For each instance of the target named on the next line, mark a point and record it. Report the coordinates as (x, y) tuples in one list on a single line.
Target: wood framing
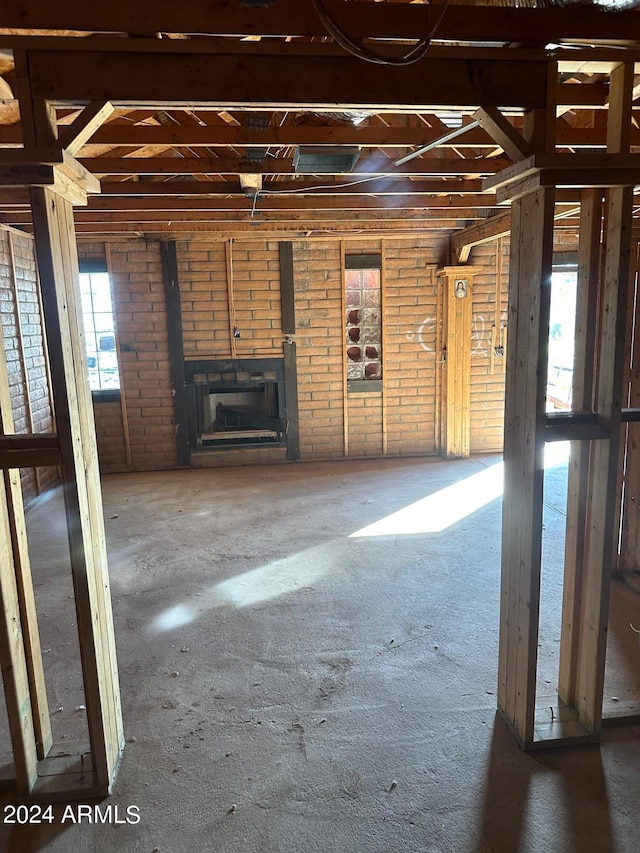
[(524, 436), (281, 81), (603, 469), (20, 651), (468, 23), (503, 133), (582, 399), (58, 265)]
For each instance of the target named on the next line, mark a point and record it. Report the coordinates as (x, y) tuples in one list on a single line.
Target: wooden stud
[(30, 725), (13, 660), (603, 470), (529, 294), (629, 478), (582, 399), (57, 260)]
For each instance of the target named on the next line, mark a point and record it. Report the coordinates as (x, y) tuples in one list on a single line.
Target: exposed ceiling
[(191, 114)]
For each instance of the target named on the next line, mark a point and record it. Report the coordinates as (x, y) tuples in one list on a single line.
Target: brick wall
[(24, 350), (403, 419), (317, 275), (139, 303), (410, 343)]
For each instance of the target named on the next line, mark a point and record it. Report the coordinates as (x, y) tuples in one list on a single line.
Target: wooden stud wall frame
[(41, 767), (591, 532)]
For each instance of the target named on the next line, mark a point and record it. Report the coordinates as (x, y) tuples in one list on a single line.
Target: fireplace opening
[(236, 404)]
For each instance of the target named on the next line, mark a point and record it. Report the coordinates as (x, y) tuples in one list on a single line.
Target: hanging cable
[(340, 37)]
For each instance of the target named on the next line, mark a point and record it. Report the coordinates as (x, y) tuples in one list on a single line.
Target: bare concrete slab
[(290, 686)]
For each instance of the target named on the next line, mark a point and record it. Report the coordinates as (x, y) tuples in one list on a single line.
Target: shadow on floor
[(551, 800)]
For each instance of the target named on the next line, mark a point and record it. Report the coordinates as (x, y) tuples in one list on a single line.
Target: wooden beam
[(234, 136), (484, 232), (503, 133), (26, 176), (374, 185), (176, 350), (373, 165), (85, 125), (278, 82), (360, 20)]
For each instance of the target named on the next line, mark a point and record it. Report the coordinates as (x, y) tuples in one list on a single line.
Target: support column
[(528, 330)]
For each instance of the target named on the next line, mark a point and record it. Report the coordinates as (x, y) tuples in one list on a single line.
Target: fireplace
[(236, 403)]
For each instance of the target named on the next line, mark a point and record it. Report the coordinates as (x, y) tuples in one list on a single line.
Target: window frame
[(363, 262)]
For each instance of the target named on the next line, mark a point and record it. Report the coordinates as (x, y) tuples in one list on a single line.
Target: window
[(363, 329), (99, 328), (562, 321)]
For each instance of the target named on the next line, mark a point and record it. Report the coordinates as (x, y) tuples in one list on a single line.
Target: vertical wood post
[(629, 478), (603, 471), (582, 400), (24, 584), (527, 356), (59, 277)]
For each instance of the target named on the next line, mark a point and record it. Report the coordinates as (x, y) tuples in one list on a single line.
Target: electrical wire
[(310, 189), (340, 37)]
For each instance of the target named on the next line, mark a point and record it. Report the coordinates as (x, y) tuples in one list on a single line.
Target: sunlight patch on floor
[(442, 509)]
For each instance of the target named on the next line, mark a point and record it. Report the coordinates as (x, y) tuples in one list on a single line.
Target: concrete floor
[(288, 688)]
